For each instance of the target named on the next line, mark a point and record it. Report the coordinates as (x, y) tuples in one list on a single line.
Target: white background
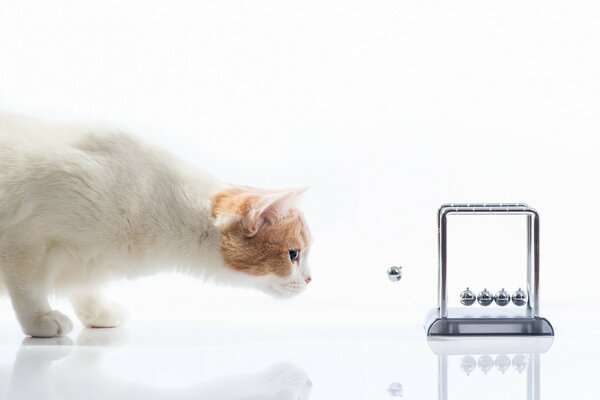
[(385, 108)]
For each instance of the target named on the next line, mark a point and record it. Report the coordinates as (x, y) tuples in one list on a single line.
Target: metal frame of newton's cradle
[(445, 321)]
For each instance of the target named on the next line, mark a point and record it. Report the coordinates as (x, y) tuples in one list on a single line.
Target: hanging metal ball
[(502, 298), (485, 298), (468, 364), (467, 297), (519, 362), (485, 363), (502, 363), (394, 274), (519, 298)]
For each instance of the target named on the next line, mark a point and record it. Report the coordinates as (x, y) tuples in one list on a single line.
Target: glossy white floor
[(228, 361)]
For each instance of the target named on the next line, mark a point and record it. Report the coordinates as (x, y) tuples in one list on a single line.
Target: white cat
[(81, 204)]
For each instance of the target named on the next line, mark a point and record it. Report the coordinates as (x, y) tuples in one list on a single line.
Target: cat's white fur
[(70, 221)]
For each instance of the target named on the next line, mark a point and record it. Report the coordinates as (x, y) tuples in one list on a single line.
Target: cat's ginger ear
[(270, 207)]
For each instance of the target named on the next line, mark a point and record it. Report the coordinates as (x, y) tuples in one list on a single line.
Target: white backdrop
[(385, 108)]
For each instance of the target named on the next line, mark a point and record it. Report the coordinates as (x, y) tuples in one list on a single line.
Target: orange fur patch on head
[(232, 201), (266, 250)]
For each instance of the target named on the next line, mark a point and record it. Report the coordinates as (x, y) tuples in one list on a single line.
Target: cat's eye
[(294, 254)]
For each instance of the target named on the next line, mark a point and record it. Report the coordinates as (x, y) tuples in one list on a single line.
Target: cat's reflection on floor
[(56, 368)]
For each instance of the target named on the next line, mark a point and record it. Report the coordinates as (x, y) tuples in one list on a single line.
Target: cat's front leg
[(33, 311), (94, 312)]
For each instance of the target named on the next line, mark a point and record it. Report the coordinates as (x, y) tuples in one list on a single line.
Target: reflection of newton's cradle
[(525, 352), (501, 362), (445, 321)]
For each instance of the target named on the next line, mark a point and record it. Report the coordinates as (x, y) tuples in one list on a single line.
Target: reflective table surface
[(252, 362)]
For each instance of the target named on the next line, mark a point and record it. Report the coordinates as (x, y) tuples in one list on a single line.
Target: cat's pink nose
[(307, 279)]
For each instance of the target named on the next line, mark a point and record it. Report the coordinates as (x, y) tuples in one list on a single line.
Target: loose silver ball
[(468, 364), (395, 389), (485, 298), (502, 363), (519, 298), (502, 298), (394, 274), (467, 297), (485, 363)]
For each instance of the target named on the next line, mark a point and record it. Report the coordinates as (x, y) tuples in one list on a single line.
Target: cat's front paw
[(48, 325), (107, 316)]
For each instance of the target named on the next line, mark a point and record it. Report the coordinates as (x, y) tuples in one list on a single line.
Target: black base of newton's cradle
[(486, 323)]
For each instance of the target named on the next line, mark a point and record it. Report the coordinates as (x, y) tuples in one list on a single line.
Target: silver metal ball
[(519, 298), (502, 298), (468, 364), (485, 298), (485, 363), (395, 389), (467, 297), (394, 274), (502, 363)]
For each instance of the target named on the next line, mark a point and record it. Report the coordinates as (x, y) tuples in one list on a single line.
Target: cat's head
[(264, 237)]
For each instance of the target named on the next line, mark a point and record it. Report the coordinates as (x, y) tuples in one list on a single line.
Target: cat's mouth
[(286, 290)]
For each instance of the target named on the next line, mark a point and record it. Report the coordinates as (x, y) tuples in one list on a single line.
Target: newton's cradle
[(498, 320)]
